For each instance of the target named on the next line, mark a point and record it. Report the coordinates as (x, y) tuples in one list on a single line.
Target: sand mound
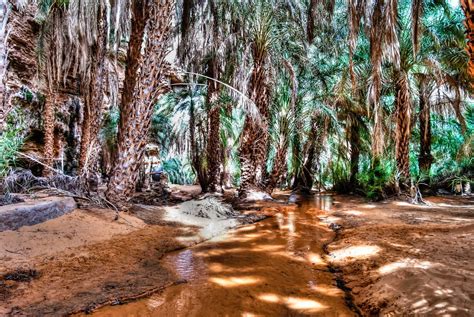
[(209, 208)]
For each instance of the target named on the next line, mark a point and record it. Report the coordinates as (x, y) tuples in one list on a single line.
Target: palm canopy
[(280, 93)]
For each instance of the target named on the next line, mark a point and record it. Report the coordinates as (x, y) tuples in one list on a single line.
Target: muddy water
[(272, 268)]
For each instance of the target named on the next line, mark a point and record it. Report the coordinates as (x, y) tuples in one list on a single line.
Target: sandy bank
[(81, 260)]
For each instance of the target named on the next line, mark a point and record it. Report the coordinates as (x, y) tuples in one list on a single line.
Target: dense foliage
[(370, 97)]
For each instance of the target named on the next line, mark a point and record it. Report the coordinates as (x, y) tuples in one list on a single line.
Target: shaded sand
[(85, 259), (401, 259)]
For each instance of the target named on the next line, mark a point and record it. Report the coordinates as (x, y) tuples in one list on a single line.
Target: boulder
[(32, 212)]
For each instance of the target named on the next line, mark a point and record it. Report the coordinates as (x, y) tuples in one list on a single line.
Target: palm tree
[(3, 63), (144, 83), (468, 8), (424, 116), (94, 95), (254, 140), (403, 126)]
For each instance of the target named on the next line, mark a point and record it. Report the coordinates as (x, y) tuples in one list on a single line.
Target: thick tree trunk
[(279, 165), (425, 158), (468, 8), (89, 155), (137, 104), (403, 129), (254, 142)]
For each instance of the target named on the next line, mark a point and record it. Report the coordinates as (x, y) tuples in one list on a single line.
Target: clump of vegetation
[(11, 141), (179, 172)]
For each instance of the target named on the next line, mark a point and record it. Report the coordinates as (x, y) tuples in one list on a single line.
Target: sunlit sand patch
[(444, 292), (267, 248), (304, 304), (353, 212), (247, 314), (247, 228), (326, 290), (235, 281), (403, 264), (271, 298), (218, 252), (369, 206), (295, 303), (356, 252), (153, 303), (315, 259)]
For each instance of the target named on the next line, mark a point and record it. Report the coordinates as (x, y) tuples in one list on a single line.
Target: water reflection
[(268, 268)]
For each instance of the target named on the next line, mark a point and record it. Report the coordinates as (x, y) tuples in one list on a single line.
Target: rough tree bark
[(48, 130), (254, 141), (468, 8), (279, 165), (214, 142), (403, 129), (305, 179), (3, 63), (146, 83), (94, 95), (425, 158), (354, 140)]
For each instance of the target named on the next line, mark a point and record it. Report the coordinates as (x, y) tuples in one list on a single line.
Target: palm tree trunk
[(280, 160), (403, 129), (425, 158), (355, 153), (214, 150), (254, 142), (48, 128), (214, 143), (305, 178), (468, 8), (89, 155), (279, 165), (311, 20), (138, 101), (196, 159), (3, 63)]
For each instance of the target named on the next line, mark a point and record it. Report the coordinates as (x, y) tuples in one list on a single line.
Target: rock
[(33, 212)]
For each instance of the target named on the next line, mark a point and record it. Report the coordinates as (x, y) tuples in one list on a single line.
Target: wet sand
[(272, 268)]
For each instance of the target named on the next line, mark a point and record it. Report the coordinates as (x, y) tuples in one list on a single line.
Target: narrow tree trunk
[(196, 159), (468, 8), (48, 128), (279, 165), (138, 103), (311, 20), (403, 129), (355, 153), (305, 178), (425, 159), (3, 64), (214, 150)]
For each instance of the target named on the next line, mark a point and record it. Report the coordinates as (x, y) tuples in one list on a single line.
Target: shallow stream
[(275, 267)]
